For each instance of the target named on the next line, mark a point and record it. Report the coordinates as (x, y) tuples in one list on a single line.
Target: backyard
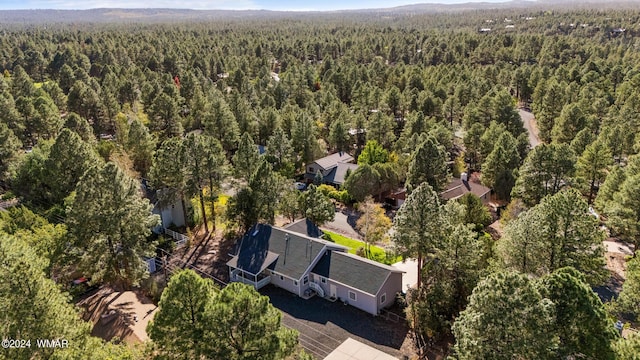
[(357, 247)]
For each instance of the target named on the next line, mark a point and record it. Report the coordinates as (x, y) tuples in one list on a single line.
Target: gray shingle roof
[(305, 227), (354, 271), (264, 247), (332, 160), (338, 173)]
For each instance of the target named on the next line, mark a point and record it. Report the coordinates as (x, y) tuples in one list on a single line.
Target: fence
[(180, 239)]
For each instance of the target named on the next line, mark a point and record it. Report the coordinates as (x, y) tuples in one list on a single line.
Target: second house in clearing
[(306, 266)]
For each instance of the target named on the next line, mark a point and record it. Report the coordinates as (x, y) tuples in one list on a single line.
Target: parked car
[(300, 186)]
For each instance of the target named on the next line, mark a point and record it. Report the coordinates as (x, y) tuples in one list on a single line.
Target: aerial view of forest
[(181, 184)]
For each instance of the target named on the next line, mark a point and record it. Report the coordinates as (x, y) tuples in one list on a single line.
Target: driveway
[(325, 325), (344, 223), (410, 277), (531, 126)]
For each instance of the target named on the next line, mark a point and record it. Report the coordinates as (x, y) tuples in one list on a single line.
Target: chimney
[(286, 248)]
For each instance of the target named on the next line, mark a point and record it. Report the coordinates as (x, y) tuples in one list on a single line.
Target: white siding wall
[(173, 214), (391, 287), (285, 283), (364, 301)]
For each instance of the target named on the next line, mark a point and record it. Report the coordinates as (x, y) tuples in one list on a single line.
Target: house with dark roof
[(333, 168), (308, 266), (305, 227), (459, 187)]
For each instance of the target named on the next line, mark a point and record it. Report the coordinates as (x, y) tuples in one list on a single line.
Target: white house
[(308, 266)]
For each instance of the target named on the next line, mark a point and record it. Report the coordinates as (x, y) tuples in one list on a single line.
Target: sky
[(293, 5)]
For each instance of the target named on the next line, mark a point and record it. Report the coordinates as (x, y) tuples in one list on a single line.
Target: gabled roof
[(305, 227), (457, 188), (285, 252), (333, 160), (338, 173), (354, 271)]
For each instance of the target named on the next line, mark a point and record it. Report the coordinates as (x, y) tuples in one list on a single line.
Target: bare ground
[(116, 314)]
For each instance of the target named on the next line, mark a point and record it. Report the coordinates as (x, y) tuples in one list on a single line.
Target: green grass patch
[(377, 253), (221, 208)]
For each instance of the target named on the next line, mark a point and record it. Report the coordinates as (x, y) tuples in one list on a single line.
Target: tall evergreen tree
[(580, 322), (545, 171), (556, 233), (109, 223), (140, 146), (9, 151), (182, 320), (592, 166), (498, 168), (221, 123), (506, 318), (316, 207), (339, 137), (69, 159), (418, 225), (428, 165), (246, 159), (168, 175)]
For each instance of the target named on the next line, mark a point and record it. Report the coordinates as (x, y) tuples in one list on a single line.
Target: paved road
[(531, 126)]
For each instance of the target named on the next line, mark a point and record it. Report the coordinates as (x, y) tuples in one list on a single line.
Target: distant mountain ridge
[(152, 15)]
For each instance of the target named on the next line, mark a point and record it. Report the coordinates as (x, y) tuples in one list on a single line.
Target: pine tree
[(175, 335), (9, 151), (428, 165), (69, 159), (545, 171), (339, 137), (246, 158), (498, 168), (315, 206), (580, 321), (418, 225), (109, 223), (592, 166), (556, 233), (506, 318)]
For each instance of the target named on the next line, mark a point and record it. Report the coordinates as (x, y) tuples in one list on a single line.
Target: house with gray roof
[(308, 266), (459, 187), (333, 168)]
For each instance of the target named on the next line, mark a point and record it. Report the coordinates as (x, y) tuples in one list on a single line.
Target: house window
[(295, 282), (323, 280), (305, 280), (311, 169), (352, 296), (281, 278), (383, 298)]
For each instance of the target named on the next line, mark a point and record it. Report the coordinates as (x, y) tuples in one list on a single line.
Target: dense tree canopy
[(413, 96)]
